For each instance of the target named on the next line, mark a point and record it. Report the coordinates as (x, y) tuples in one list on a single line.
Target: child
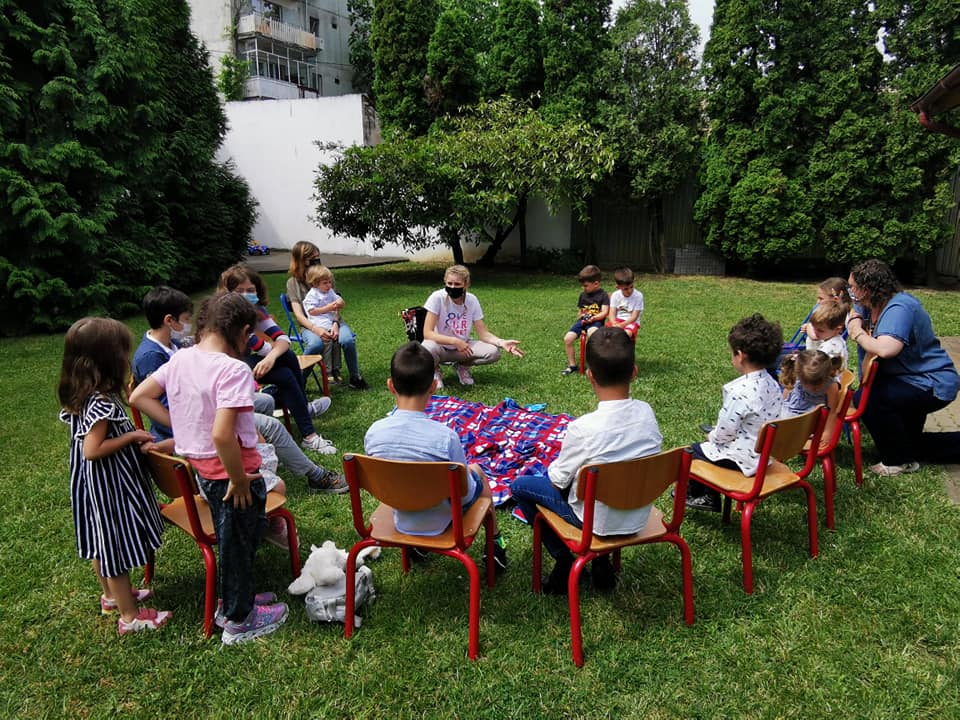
[(619, 429), (593, 305), (825, 330), (323, 305), (211, 405), (626, 303), (408, 434), (809, 378), (115, 513), (748, 402)]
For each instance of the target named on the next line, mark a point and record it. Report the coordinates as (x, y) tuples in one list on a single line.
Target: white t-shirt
[(624, 306), (834, 347), (452, 319), (317, 299)]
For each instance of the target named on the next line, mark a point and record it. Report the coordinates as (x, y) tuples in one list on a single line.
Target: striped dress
[(115, 514)]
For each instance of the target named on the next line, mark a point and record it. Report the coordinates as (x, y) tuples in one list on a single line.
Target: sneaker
[(499, 560), (463, 374), (319, 406), (264, 598), (604, 577), (570, 369), (706, 428), (262, 620), (328, 482), (146, 619), (708, 501), (891, 470), (318, 444), (358, 383), (334, 379), (556, 582), (438, 376), (417, 555), (109, 605)]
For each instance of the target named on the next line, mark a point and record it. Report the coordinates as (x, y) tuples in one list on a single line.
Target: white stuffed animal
[(323, 581), (325, 567)]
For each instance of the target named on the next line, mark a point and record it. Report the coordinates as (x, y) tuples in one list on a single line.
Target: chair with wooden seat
[(623, 485), (413, 486), (868, 374), (779, 440), (190, 512), (826, 455)]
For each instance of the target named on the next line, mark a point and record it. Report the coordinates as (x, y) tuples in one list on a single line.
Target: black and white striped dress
[(115, 514)]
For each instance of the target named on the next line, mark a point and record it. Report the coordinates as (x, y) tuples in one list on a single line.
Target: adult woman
[(915, 376), (315, 338), (272, 361), (451, 312)]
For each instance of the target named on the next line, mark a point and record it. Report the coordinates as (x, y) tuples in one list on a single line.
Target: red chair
[(868, 374), (779, 440), (827, 454), (412, 486), (623, 485), (189, 511)]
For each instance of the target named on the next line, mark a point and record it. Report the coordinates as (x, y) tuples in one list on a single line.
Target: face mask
[(250, 297), (178, 336), (455, 292)]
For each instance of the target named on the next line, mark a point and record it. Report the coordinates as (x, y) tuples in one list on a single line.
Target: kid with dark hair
[(619, 429), (626, 303), (593, 306), (748, 402)]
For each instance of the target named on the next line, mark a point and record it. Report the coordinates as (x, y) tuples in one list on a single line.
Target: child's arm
[(833, 401), (604, 311), (96, 444), (728, 422), (167, 447), (228, 450), (146, 398)]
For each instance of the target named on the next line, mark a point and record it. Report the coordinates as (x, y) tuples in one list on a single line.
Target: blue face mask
[(251, 297)]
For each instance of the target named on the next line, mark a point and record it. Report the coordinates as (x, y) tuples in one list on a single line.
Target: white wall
[(210, 21)]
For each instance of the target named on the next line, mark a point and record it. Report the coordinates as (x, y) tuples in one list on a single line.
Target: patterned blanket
[(506, 441)]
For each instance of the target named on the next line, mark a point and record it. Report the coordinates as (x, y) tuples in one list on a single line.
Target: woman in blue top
[(914, 378)]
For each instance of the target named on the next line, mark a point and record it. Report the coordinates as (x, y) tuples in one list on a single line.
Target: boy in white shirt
[(626, 303)]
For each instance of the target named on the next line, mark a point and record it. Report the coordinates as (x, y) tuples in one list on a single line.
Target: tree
[(400, 33), (452, 78), (361, 53), (109, 121), (515, 65)]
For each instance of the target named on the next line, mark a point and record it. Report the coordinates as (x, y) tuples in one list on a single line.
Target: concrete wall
[(272, 146), (210, 21)]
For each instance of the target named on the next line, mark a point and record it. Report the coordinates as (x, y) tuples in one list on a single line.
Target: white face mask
[(178, 336)]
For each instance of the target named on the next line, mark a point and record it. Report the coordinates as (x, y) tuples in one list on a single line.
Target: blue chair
[(307, 362)]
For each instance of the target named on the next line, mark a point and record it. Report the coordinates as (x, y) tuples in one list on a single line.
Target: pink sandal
[(146, 619), (109, 605)]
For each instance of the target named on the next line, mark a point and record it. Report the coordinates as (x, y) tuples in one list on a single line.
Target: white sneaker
[(318, 444), (891, 470), (438, 376), (463, 373), (319, 406)]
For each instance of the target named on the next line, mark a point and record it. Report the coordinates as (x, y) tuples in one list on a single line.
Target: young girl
[(210, 394), (833, 290), (809, 378), (115, 513)]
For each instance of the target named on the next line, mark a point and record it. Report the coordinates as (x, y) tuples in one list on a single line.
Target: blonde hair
[(830, 314), (460, 271), (810, 367), (316, 273)]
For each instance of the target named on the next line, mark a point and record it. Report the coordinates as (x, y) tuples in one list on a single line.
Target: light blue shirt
[(411, 435)]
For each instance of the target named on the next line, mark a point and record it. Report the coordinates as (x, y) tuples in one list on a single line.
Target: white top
[(834, 347), (624, 306), (748, 402), (316, 299), (616, 430), (452, 319)]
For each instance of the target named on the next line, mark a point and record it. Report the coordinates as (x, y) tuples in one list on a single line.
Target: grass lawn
[(870, 628)]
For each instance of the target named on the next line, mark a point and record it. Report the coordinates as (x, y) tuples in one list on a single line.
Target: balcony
[(290, 34)]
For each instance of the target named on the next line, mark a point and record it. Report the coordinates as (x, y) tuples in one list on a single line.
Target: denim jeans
[(528, 491), (286, 375), (238, 534), (313, 345)]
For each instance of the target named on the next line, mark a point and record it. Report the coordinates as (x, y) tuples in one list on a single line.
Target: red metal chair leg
[(857, 451), (747, 550), (811, 517), (210, 588), (573, 593), (828, 464), (474, 641), (583, 352), (686, 566)]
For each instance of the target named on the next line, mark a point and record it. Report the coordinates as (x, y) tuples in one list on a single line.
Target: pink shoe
[(463, 374), (264, 598), (109, 605), (146, 619)]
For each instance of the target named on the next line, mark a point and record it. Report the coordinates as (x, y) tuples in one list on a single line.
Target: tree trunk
[(456, 249), (503, 232)]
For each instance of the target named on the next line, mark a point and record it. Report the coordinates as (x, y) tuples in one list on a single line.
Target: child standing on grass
[(626, 303), (115, 513), (748, 402), (210, 391), (593, 306)]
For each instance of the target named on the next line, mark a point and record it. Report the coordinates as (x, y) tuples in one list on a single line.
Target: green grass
[(867, 629)]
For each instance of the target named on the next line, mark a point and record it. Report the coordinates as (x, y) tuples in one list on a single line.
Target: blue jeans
[(528, 491), (238, 535), (286, 375), (313, 344)]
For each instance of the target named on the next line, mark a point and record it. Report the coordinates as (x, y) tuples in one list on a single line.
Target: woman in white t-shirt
[(452, 313)]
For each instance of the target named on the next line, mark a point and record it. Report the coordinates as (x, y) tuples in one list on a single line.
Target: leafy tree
[(232, 77), (361, 53), (400, 33), (108, 124), (452, 78), (515, 65), (574, 42)]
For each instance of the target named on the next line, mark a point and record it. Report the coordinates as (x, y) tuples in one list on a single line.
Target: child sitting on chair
[(626, 303), (619, 429), (323, 305), (809, 378), (748, 402), (593, 306), (825, 331), (408, 434)]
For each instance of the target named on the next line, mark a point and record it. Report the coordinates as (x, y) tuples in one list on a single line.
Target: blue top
[(922, 362), (410, 435), (149, 356), (800, 400)]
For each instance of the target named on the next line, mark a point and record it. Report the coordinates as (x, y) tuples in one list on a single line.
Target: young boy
[(323, 305), (593, 305), (825, 331), (408, 434), (619, 429), (748, 402), (626, 303), (169, 312)]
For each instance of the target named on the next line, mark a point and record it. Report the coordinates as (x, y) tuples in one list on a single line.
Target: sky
[(701, 12)]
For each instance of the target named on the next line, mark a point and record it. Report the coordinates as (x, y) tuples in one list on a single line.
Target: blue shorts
[(579, 326), (478, 483)]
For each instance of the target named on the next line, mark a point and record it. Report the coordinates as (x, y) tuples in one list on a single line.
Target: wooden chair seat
[(654, 529), (382, 528), (733, 482), (176, 513)]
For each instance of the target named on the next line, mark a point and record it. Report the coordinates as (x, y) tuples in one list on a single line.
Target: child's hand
[(263, 367), (239, 492), (138, 436)]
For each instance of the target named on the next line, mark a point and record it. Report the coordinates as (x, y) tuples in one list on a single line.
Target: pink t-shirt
[(197, 384)]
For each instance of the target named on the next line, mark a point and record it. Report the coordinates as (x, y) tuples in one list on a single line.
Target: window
[(314, 26), (333, 21)]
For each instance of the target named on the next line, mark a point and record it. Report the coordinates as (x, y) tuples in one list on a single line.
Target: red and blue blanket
[(507, 440)]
